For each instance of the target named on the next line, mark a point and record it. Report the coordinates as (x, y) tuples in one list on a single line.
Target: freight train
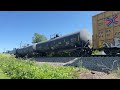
[(74, 44), (106, 37)]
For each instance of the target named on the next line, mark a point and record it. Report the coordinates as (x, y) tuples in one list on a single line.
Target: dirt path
[(98, 75), (51, 63)]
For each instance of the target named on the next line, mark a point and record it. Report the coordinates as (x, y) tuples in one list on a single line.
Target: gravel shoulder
[(51, 63)]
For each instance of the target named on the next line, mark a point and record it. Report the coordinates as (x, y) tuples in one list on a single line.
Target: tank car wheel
[(71, 54), (89, 52), (114, 52), (110, 52), (75, 53), (107, 52), (79, 53)]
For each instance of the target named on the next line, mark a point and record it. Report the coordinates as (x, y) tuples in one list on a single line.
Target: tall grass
[(6, 56), (3, 75)]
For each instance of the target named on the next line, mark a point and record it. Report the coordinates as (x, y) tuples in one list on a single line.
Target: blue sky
[(17, 26)]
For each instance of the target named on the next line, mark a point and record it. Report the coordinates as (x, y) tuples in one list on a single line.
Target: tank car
[(28, 51), (75, 43), (12, 52)]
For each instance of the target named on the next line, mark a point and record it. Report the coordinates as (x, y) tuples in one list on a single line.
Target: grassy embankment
[(13, 68)]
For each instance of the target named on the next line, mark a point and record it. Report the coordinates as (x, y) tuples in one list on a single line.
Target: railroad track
[(83, 56), (94, 62), (67, 59), (104, 56)]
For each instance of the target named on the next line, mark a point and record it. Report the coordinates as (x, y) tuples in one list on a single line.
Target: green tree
[(38, 38)]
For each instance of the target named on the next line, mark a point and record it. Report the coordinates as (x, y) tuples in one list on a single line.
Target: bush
[(6, 56), (26, 69), (3, 75)]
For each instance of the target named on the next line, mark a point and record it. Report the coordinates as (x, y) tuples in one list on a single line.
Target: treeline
[(38, 38)]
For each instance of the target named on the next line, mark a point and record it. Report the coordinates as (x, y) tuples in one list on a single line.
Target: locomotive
[(75, 44)]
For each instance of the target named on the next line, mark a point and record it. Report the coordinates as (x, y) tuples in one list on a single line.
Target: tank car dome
[(85, 35)]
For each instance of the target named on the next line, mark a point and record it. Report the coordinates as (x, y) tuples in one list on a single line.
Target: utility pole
[(4, 50), (20, 44)]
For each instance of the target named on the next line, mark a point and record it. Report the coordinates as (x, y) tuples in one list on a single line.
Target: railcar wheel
[(75, 53), (88, 52), (71, 54), (107, 52), (110, 52)]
